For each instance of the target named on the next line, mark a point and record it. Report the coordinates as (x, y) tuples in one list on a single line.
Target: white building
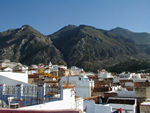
[(104, 74), (91, 107), (62, 66), (7, 69), (132, 76), (145, 107), (88, 74), (128, 76), (127, 105), (48, 70), (8, 63), (75, 70), (82, 84), (123, 92), (33, 67), (32, 72), (21, 68)]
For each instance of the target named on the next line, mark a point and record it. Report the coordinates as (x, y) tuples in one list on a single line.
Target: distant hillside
[(28, 46), (83, 46), (92, 48), (141, 39), (131, 66)]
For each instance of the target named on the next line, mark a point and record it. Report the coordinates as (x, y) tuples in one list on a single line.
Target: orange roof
[(68, 86)]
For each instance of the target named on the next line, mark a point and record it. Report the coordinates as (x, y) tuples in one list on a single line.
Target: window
[(79, 78)]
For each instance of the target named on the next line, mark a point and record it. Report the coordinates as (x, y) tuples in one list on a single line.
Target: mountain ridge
[(24, 43), (89, 45), (83, 46)]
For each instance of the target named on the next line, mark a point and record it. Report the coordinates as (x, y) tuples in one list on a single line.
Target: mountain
[(84, 46), (141, 39), (28, 46), (133, 65), (92, 48)]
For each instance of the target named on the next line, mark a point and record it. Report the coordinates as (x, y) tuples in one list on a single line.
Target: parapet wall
[(23, 77), (37, 111)]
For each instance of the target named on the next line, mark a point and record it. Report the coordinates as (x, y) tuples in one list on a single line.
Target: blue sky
[(48, 16)]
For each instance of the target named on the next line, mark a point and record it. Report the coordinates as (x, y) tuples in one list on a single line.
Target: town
[(57, 87)]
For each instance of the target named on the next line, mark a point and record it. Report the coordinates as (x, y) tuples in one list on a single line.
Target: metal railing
[(29, 95)]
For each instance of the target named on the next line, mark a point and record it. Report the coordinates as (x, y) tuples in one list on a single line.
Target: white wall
[(99, 108), (79, 103), (131, 84), (32, 71), (91, 107), (126, 93), (8, 69), (9, 64), (104, 75), (115, 79), (83, 86), (23, 77), (125, 107), (68, 102), (83, 91)]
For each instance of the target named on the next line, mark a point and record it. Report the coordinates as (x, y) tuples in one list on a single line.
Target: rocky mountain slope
[(28, 46), (141, 39), (92, 48), (83, 46)]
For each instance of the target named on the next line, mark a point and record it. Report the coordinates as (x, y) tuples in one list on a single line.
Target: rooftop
[(130, 101), (145, 103)]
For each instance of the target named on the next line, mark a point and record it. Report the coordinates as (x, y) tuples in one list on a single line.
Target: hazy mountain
[(28, 46), (141, 39)]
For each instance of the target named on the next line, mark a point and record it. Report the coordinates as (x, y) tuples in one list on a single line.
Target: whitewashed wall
[(83, 89), (83, 86), (23, 77), (91, 107), (126, 93), (68, 102), (99, 108), (125, 108), (32, 71)]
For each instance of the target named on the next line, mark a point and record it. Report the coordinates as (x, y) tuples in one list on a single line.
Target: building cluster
[(57, 87)]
